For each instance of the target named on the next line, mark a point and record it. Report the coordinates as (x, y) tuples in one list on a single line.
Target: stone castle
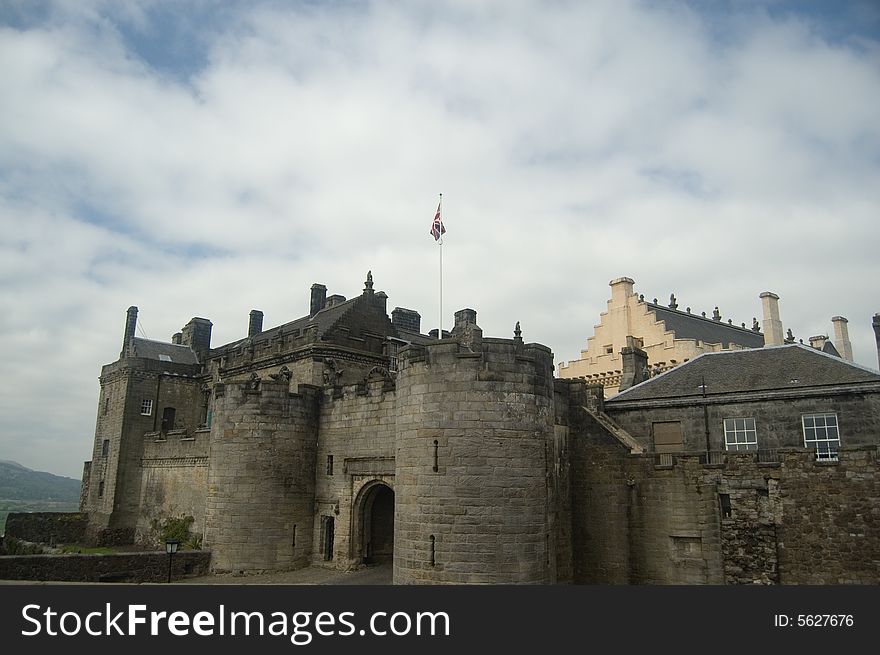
[(348, 437)]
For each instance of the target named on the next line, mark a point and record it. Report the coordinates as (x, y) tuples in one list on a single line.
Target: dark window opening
[(436, 463), (329, 529), (101, 489), (329, 464), (106, 405), (168, 415), (433, 551), (726, 510), (105, 448), (293, 541)]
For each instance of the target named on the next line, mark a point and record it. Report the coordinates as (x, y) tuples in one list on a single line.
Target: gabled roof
[(786, 367), (163, 352), (324, 320), (691, 326)]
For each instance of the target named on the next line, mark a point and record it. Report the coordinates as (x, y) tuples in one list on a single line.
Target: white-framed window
[(740, 434), (393, 348), (821, 432), (146, 407)]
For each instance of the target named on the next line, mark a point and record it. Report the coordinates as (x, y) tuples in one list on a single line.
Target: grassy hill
[(25, 490)]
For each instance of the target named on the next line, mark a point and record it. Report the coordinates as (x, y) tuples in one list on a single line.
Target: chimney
[(255, 322), (197, 335), (463, 318), (635, 365), (333, 300), (131, 318), (876, 324), (818, 342), (773, 335), (177, 338), (407, 320), (318, 298), (841, 337), (621, 289)]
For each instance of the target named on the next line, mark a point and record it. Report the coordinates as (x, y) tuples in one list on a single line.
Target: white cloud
[(573, 142)]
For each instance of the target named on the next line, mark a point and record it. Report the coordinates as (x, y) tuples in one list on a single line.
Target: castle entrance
[(376, 529)]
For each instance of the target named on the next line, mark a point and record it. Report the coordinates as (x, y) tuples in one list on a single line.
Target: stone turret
[(479, 459)]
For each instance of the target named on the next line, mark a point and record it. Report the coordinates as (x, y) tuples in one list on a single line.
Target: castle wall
[(482, 510), (740, 521), (261, 476), (831, 526), (357, 429), (173, 483), (778, 420)]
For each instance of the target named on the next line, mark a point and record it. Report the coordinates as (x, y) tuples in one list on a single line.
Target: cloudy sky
[(204, 159)]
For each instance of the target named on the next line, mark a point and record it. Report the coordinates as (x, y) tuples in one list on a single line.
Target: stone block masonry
[(474, 431), (261, 476)]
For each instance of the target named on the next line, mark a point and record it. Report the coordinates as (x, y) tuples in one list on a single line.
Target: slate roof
[(691, 326), (786, 367), (164, 352), (324, 319)]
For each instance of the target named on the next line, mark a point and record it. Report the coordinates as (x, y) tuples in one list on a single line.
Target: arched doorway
[(377, 524)]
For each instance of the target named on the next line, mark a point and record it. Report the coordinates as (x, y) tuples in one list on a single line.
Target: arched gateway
[(374, 531)]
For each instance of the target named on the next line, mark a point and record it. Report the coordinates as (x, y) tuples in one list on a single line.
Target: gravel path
[(370, 575)]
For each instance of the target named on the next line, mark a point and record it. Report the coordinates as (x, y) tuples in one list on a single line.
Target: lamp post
[(171, 548)]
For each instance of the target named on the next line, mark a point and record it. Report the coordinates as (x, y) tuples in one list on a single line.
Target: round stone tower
[(261, 476), (474, 426)]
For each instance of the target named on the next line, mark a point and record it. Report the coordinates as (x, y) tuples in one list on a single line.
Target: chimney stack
[(197, 335), (406, 319), (463, 318), (773, 335), (255, 322), (635, 365), (841, 337), (621, 289), (131, 318), (876, 324), (818, 341), (318, 298)]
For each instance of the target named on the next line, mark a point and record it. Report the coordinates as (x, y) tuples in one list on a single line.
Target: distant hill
[(18, 482)]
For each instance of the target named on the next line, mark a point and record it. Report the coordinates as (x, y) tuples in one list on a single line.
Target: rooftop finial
[(672, 303), (716, 315), (789, 337), (517, 333), (368, 285)]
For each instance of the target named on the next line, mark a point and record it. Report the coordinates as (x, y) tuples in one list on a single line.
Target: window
[(667, 437), (392, 356), (609, 350), (329, 464), (740, 434), (101, 489), (168, 416), (146, 407), (821, 433), (106, 405), (105, 448)]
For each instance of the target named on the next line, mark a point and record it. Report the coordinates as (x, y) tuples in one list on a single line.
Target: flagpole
[(439, 211)]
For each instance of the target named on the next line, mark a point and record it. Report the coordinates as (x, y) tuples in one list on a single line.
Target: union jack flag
[(437, 229)]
